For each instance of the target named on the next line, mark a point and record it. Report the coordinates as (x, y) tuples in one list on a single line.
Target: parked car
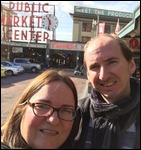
[(8, 63), (10, 70), (27, 64), (3, 71)]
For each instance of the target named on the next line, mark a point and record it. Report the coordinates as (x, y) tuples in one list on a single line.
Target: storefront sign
[(67, 46), (133, 43), (78, 9), (17, 49), (24, 44)]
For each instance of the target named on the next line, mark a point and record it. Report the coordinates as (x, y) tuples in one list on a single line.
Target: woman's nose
[(53, 118)]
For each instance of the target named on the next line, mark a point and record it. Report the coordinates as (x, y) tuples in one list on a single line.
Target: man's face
[(107, 69)]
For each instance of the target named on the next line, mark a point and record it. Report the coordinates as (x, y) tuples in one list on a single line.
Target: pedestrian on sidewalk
[(111, 113), (45, 115)]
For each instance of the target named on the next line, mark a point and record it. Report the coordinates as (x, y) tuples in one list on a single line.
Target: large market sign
[(78, 9), (25, 22)]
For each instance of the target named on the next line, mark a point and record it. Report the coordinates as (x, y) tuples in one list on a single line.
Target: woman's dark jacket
[(4, 146)]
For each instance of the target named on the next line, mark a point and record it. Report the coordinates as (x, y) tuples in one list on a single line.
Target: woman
[(43, 118)]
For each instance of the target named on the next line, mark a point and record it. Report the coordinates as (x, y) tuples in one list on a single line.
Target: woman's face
[(48, 132)]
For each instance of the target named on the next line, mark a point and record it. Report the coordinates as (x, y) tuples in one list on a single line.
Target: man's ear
[(132, 66), (88, 77)]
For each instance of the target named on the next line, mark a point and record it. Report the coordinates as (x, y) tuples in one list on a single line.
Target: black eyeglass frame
[(54, 109)]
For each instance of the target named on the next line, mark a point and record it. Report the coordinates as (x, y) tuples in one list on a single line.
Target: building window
[(87, 27), (107, 28), (113, 28), (85, 38)]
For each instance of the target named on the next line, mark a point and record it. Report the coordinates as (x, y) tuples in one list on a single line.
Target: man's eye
[(112, 62), (94, 67)]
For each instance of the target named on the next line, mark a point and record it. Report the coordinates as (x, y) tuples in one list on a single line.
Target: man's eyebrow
[(93, 65), (111, 58)]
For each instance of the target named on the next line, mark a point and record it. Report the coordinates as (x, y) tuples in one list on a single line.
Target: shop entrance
[(62, 59), (34, 54)]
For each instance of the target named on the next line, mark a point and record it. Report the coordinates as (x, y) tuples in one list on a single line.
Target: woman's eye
[(67, 110), (41, 106)]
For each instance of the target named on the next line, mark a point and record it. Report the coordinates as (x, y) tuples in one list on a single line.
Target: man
[(111, 113)]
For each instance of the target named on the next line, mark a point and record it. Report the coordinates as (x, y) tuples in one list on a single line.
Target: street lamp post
[(54, 31), (95, 26), (32, 27), (47, 61), (9, 50)]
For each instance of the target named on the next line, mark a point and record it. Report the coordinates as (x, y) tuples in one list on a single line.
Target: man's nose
[(103, 73)]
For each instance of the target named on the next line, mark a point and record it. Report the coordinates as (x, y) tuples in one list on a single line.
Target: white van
[(27, 64)]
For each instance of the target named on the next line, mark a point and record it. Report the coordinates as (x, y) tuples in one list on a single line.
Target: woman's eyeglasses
[(44, 110)]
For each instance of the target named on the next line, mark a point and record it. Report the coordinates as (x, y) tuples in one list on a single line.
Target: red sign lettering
[(26, 7)]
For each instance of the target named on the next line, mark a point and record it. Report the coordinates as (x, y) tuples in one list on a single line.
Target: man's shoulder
[(135, 81)]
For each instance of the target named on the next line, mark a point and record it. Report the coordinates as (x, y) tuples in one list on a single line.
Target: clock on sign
[(49, 22)]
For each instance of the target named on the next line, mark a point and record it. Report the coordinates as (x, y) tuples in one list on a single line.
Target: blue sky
[(63, 8)]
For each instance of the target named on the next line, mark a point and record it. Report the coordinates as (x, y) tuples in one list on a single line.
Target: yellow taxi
[(3, 71)]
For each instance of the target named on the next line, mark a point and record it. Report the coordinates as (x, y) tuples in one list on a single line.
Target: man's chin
[(108, 98)]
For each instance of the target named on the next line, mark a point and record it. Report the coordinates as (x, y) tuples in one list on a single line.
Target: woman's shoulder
[(84, 103), (4, 146)]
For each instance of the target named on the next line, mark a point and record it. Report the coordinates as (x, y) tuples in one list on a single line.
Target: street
[(13, 86)]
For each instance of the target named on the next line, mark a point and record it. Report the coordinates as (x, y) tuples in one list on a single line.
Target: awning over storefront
[(132, 29)]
